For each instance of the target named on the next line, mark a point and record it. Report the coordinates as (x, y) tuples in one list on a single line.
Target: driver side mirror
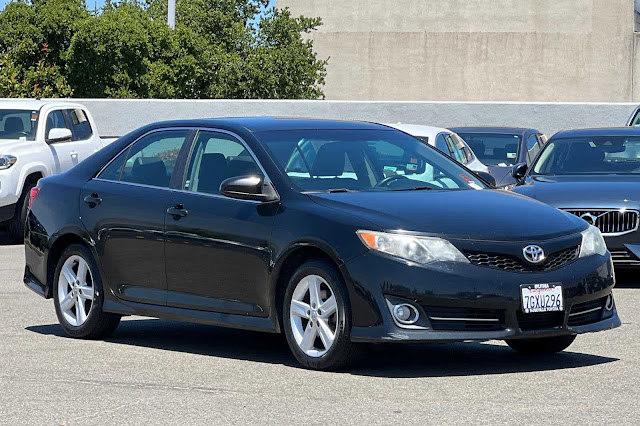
[(519, 171), (248, 188), (488, 178), (58, 134)]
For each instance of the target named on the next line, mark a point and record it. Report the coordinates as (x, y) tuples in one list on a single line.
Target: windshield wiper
[(336, 190), (416, 188)]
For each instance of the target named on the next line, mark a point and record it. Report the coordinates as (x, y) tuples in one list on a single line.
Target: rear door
[(83, 142), (124, 210)]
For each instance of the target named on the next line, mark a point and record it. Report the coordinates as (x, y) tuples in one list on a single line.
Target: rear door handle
[(178, 211), (93, 200)]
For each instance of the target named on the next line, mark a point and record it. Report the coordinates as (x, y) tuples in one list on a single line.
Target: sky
[(98, 3)]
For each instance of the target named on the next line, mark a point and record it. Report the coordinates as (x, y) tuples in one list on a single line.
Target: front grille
[(465, 319), (513, 263), (624, 258), (539, 320), (610, 222), (587, 312)]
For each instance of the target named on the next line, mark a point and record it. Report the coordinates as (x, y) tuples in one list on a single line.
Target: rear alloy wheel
[(541, 346), (317, 317), (78, 296)]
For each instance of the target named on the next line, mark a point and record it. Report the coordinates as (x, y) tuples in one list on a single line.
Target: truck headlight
[(416, 249), (7, 161), (592, 242)]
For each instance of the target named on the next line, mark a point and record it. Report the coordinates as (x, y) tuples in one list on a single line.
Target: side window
[(152, 159), (532, 148), (55, 120), (635, 122), (441, 144), (114, 169), (215, 158), (80, 127)]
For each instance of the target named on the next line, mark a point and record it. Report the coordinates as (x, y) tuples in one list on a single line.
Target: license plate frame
[(540, 298)]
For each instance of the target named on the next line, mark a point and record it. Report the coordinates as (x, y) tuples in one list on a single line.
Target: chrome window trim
[(197, 131)]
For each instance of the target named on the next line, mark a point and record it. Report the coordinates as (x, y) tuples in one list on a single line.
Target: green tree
[(216, 51)]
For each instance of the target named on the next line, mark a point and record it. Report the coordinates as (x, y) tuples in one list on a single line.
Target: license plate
[(542, 298)]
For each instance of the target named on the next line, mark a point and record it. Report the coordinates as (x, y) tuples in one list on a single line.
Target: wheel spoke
[(328, 308), (325, 333), (300, 309), (68, 302), (81, 315), (314, 292), (82, 272), (68, 274), (86, 292), (308, 338)]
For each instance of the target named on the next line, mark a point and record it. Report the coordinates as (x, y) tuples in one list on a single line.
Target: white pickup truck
[(39, 138)]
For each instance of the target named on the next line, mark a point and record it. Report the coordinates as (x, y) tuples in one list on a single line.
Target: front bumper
[(464, 291)]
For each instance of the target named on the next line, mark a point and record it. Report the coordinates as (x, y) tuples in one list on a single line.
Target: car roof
[(418, 129), (262, 124), (34, 104), (601, 131), (491, 129)]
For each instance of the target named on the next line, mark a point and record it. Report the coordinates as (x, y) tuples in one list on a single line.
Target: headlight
[(7, 161), (416, 249), (592, 242)]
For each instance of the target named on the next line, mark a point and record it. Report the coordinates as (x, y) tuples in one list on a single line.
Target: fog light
[(609, 303), (405, 314)]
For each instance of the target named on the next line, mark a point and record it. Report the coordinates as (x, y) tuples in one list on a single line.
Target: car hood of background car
[(587, 191), (463, 214)]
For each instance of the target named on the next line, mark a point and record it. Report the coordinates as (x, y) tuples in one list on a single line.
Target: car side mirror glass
[(249, 187), (488, 178), (58, 134), (519, 171)]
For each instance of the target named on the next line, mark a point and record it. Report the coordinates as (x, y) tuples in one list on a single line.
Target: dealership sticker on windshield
[(542, 298)]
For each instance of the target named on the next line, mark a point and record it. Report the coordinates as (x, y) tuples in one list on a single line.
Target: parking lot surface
[(156, 371)]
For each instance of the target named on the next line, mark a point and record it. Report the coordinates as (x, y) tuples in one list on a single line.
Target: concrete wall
[(533, 50), (117, 117)]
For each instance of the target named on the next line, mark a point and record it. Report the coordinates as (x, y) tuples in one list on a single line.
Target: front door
[(64, 153), (217, 248), (124, 209)]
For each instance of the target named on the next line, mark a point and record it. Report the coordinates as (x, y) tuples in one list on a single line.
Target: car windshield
[(363, 160), (590, 155), (18, 123), (494, 149)]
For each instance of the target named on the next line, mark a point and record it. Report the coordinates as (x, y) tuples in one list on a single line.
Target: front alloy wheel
[(317, 316), (313, 314)]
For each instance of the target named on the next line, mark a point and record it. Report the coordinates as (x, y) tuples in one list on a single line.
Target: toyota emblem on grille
[(533, 254), (589, 218)]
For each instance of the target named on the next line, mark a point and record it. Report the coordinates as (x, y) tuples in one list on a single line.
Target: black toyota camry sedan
[(593, 174), (330, 232)]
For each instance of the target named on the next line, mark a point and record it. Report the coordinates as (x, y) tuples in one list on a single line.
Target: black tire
[(541, 346), (16, 224), (99, 324), (342, 351)]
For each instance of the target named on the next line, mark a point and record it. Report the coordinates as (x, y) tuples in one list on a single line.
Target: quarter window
[(215, 158)]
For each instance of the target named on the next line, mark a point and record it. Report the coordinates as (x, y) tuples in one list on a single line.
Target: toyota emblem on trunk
[(533, 254)]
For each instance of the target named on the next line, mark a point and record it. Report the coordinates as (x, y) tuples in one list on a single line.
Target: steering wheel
[(386, 181)]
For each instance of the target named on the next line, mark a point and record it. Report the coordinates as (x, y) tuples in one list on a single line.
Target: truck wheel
[(16, 225)]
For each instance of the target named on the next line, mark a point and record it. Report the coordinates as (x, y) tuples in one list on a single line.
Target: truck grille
[(610, 222), (513, 263)]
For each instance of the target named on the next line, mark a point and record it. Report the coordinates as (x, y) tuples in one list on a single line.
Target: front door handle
[(74, 154), (92, 200), (178, 211)]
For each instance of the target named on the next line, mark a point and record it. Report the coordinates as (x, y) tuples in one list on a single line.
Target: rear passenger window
[(150, 161), (80, 127), (215, 158)]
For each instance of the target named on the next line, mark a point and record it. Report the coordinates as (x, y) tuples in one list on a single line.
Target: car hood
[(463, 214), (590, 191)]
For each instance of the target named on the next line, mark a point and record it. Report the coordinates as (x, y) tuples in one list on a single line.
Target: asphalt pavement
[(154, 371)]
